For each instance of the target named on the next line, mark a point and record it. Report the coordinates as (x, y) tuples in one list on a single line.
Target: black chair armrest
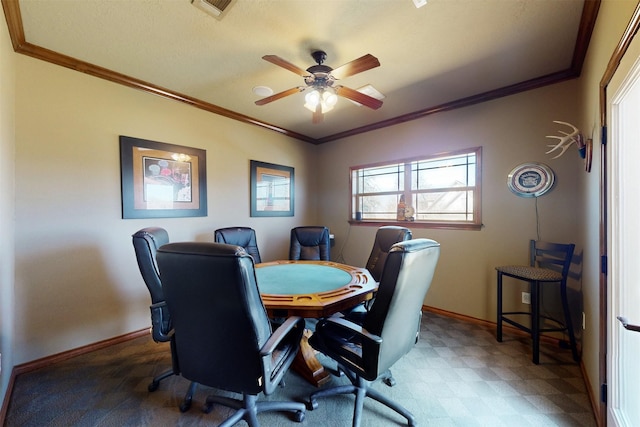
[(348, 326), (160, 328), (281, 333), (278, 352)]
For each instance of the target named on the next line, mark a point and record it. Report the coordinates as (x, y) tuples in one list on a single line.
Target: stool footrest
[(516, 324), (561, 326)]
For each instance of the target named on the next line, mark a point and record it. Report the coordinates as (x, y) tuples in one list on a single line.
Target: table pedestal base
[(307, 365)]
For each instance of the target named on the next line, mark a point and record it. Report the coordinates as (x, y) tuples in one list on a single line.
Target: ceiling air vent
[(212, 7)]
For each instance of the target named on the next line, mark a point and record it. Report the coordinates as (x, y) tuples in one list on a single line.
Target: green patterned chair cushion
[(531, 273)]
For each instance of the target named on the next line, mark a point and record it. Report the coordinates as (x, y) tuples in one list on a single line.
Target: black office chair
[(310, 244), (223, 336), (366, 352), (240, 236), (549, 263), (146, 243), (386, 237)]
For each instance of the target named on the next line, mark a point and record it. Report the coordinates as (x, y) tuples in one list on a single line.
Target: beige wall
[(511, 131), (7, 152), (76, 276)]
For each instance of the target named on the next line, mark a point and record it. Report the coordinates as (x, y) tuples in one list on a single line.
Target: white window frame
[(473, 187)]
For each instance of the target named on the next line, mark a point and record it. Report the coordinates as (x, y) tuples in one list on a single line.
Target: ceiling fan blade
[(274, 59), (358, 97), (318, 117), (279, 95), (356, 66)]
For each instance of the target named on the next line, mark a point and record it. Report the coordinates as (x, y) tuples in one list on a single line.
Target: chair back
[(386, 237), (310, 243), (240, 236), (397, 310), (552, 256), (146, 243), (219, 319)]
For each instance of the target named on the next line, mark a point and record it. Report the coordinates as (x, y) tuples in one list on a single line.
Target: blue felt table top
[(294, 279)]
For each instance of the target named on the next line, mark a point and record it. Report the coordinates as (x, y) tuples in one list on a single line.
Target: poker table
[(311, 289)]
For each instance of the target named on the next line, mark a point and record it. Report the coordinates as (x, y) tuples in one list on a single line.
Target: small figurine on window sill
[(401, 209), (408, 213)]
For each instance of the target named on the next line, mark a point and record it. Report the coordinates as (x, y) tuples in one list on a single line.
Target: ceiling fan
[(321, 80)]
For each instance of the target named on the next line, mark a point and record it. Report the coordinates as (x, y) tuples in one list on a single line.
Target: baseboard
[(593, 398), (7, 397), (59, 357), (458, 316)]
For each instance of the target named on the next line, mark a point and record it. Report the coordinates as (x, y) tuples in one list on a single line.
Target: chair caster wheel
[(185, 405), (313, 404), (298, 416), (207, 408), (389, 381), (153, 386)]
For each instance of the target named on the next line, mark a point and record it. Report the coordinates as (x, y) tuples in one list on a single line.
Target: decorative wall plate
[(530, 179)]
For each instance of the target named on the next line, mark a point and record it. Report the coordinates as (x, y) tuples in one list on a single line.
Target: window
[(440, 191)]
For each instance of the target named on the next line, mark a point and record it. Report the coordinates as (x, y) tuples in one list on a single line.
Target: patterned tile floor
[(457, 375)]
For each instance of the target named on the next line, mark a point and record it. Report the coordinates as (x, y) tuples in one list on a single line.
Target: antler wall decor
[(566, 140), (569, 138)]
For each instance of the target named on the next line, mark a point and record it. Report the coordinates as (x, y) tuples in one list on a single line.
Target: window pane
[(382, 179), (448, 206), (446, 173), (379, 207)]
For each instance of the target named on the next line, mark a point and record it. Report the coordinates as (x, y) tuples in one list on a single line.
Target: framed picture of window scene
[(271, 189), (162, 180)]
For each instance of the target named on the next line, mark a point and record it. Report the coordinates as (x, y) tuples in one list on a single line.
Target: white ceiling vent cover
[(212, 7)]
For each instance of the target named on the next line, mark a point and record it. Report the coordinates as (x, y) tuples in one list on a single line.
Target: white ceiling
[(444, 51)]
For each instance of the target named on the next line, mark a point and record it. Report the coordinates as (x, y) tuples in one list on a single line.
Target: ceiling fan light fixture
[(312, 98), (329, 98), (325, 97)]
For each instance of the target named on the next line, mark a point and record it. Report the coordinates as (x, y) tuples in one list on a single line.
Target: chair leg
[(568, 322), (344, 389), (297, 408), (240, 414), (155, 383), (535, 320), (374, 394), (251, 411), (499, 309), (387, 378), (361, 389), (249, 408), (188, 398), (361, 394), (245, 409)]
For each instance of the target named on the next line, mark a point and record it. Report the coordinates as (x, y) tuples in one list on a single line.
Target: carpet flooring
[(457, 375)]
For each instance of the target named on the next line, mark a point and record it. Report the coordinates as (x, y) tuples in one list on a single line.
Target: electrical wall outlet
[(526, 298)]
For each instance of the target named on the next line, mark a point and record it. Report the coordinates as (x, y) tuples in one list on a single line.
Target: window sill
[(418, 224)]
